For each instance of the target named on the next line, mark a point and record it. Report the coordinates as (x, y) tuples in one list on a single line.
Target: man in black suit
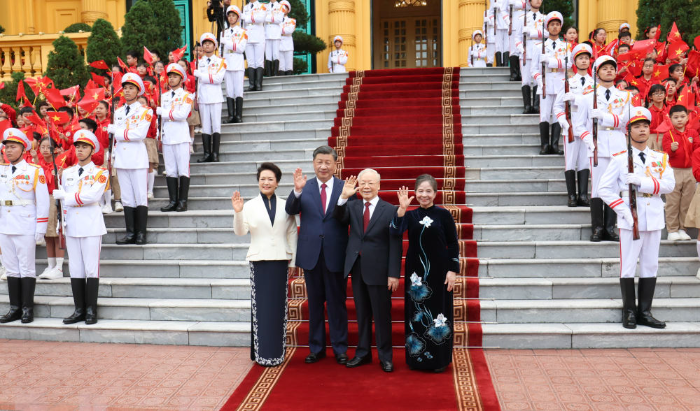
[(321, 252), (373, 256)]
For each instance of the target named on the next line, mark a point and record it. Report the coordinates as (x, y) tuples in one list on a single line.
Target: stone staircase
[(542, 283)]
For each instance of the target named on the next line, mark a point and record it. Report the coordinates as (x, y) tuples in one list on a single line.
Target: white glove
[(539, 83), (534, 33), (564, 124), (569, 96), (597, 113), (633, 179), (626, 215), (59, 194), (588, 140), (111, 128), (38, 237), (544, 58), (159, 111), (521, 49)]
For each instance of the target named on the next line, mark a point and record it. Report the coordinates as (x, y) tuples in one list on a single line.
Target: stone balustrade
[(29, 53)]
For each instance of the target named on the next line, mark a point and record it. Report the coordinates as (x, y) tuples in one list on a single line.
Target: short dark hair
[(36, 136), (26, 110), (426, 177), (623, 45), (90, 123), (142, 64), (670, 79), (673, 68), (655, 88), (43, 104), (677, 109), (325, 150), (272, 167), (66, 109), (150, 79), (649, 59), (624, 34), (133, 54), (105, 103), (631, 88)]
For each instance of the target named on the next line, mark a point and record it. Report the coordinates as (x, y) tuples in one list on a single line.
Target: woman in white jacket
[(273, 244), (338, 58)]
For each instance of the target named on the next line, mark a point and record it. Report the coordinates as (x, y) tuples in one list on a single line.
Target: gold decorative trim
[(449, 184), (359, 73), (468, 398), (449, 197), (456, 214), (357, 81), (349, 112), (346, 121), (263, 387)]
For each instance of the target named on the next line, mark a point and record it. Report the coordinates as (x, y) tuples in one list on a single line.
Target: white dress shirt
[(329, 191), (372, 204)]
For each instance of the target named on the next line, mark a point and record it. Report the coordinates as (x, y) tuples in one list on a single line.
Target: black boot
[(583, 188), (646, 295), (129, 216), (172, 194), (268, 68), (610, 218), (554, 138), (258, 79), (570, 176), (78, 287), (520, 77), (206, 144), (251, 79), (141, 225), (629, 310), (290, 72), (28, 286), (544, 138), (497, 58), (514, 65), (91, 289), (231, 108), (14, 289), (275, 68), (215, 147), (535, 101), (239, 109), (527, 99), (184, 193), (506, 59), (597, 221)]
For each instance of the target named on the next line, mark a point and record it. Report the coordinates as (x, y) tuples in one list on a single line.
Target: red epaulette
[(621, 152)]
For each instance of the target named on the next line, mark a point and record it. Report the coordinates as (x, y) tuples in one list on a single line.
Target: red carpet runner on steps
[(402, 123)]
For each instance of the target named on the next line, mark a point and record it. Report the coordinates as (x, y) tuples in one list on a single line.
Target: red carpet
[(402, 123)]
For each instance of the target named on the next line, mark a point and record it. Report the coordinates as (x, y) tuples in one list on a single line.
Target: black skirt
[(268, 281)]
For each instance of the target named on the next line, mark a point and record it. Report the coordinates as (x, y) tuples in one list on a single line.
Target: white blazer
[(267, 242)]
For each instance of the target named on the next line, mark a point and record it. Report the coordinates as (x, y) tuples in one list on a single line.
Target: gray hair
[(326, 150), (426, 177), (368, 170)]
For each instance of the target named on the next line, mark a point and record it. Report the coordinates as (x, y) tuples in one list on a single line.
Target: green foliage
[(300, 66), (76, 27), (306, 43), (140, 28), (566, 8), (299, 13), (66, 66), (168, 23), (9, 93), (103, 44), (2, 29), (684, 12)]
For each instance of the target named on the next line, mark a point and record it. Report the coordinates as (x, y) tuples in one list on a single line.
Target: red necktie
[(323, 198), (365, 218)]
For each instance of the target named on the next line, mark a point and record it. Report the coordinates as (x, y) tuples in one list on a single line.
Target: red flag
[(71, 92), (609, 49), (674, 34), (4, 125), (54, 97), (660, 73), (686, 98), (96, 94), (99, 64), (98, 79), (147, 56), (665, 125), (637, 100), (58, 117), (179, 53), (39, 123), (676, 50), (117, 79), (20, 91), (635, 67), (122, 64), (643, 47), (2, 85), (88, 104)]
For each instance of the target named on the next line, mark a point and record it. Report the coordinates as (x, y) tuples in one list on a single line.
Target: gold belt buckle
[(647, 195), (8, 202)]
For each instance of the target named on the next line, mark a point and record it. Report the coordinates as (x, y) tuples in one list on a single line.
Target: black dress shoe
[(341, 359), (315, 356), (357, 361), (439, 370), (387, 366)]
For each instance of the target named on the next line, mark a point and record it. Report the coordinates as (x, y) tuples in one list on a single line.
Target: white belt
[(86, 205), (13, 203), (626, 194)]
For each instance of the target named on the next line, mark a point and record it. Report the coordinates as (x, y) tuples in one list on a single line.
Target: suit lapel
[(378, 210), (316, 194), (335, 195)]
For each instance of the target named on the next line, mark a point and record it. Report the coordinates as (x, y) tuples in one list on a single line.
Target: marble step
[(523, 160), (235, 154), (247, 167), (303, 108), (275, 84), (229, 133), (569, 335), (266, 145), (473, 101), (269, 100), (169, 268), (154, 252), (497, 140), (483, 90), (549, 199), (485, 149), (557, 248), (280, 125), (230, 334), (183, 236), (498, 84), (514, 173)]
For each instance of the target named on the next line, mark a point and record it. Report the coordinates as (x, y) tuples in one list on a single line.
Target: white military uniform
[(498, 16), (337, 59), (612, 130), (130, 155), (479, 55), (533, 32), (233, 44), (557, 51), (254, 15), (519, 9), (211, 72), (24, 214), (273, 30), (176, 105), (287, 44), (489, 38), (84, 222), (576, 153), (657, 179)]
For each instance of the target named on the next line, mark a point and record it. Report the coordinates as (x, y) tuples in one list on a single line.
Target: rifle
[(486, 28), (59, 208), (632, 188), (510, 21), (567, 106), (471, 51), (495, 19), (524, 39), (595, 119), (544, 66)]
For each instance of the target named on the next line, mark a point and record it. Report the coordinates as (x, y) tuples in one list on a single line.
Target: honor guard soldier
[(576, 154), (233, 44), (254, 15), (498, 16), (611, 114), (83, 186), (210, 72), (287, 42), (549, 70), (24, 215), (478, 54), (526, 35), (273, 34), (130, 128), (175, 108), (652, 177), (338, 58), (519, 8)]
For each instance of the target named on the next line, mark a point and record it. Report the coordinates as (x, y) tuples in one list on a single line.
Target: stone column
[(93, 10), (341, 16), (611, 13), (471, 18)]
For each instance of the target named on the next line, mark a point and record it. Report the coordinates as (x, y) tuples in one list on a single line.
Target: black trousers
[(372, 301), (325, 286)]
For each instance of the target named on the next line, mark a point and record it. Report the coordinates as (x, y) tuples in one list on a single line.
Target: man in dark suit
[(373, 256), (321, 252)]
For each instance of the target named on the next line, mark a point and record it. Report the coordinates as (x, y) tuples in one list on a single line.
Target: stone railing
[(29, 53)]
